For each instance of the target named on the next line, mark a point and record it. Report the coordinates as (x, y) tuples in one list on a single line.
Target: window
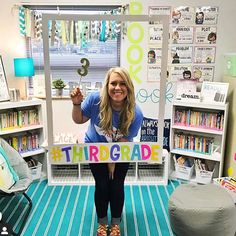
[(66, 52)]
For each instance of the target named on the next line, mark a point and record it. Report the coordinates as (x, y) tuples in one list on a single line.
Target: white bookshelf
[(11, 126), (215, 156), (20, 130)]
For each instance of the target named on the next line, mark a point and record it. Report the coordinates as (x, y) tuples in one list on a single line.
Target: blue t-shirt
[(94, 134)]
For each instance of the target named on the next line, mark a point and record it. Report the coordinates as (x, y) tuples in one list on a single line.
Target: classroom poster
[(214, 92), (149, 131), (155, 34), (206, 15), (205, 35), (182, 35), (203, 73), (204, 54), (177, 72), (154, 55), (154, 73), (182, 15), (159, 10), (181, 54)]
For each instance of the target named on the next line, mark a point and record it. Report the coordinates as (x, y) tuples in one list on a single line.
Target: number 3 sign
[(85, 65)]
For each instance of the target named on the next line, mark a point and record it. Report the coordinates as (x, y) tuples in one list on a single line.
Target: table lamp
[(24, 67)]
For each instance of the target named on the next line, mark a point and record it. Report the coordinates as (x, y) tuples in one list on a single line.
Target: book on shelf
[(182, 160), (199, 119), (17, 119), (28, 141), (203, 165), (194, 143)]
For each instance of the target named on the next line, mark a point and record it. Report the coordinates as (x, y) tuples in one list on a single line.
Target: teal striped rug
[(70, 211)]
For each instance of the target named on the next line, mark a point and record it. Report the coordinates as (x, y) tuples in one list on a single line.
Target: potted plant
[(59, 85)]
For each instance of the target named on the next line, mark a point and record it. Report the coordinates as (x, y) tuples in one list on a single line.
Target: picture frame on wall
[(4, 91), (214, 92)]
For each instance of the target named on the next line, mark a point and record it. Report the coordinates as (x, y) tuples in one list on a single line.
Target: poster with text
[(182, 35), (154, 55), (186, 87), (205, 35), (178, 71), (204, 54), (182, 15), (181, 54), (154, 73), (159, 10), (203, 73), (214, 92), (156, 10), (149, 131), (206, 15), (155, 34)]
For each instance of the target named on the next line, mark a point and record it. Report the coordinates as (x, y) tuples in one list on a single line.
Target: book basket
[(204, 176), (35, 168), (184, 172)]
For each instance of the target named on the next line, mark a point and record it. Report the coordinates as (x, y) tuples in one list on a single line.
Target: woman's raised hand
[(76, 96)]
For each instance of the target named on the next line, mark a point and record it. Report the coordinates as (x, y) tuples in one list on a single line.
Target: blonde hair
[(128, 111)]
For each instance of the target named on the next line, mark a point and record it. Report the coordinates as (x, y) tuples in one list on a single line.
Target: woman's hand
[(76, 96), (111, 170)]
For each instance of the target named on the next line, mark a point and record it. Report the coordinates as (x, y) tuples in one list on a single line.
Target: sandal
[(115, 230), (102, 230)]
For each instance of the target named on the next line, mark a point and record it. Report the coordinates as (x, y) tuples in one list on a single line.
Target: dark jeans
[(109, 190)]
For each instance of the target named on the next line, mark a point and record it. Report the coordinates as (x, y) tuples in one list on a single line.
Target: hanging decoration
[(84, 34), (53, 32), (78, 26), (28, 23), (72, 32), (22, 21), (102, 37), (76, 32), (64, 37), (38, 25), (95, 30)]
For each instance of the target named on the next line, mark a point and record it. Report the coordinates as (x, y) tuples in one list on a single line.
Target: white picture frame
[(214, 92), (4, 91)]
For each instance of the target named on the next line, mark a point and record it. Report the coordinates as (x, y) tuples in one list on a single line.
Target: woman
[(114, 117)]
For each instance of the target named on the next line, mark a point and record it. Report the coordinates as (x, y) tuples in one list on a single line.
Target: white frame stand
[(164, 19)]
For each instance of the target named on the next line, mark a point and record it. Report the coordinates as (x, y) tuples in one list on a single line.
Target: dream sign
[(105, 152)]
